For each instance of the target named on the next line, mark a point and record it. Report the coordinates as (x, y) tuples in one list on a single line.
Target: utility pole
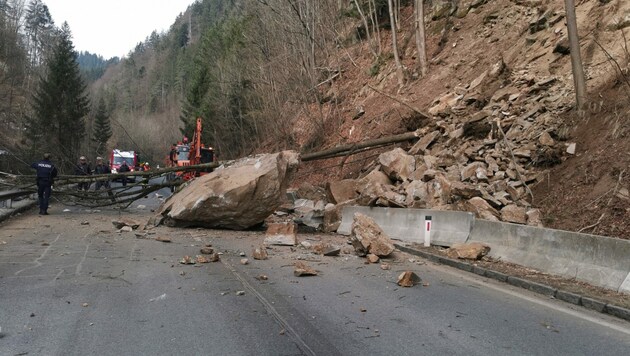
[(576, 59)]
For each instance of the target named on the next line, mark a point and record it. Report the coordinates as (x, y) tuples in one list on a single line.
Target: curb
[(547, 290), (18, 210)]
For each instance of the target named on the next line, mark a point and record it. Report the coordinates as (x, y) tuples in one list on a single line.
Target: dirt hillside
[(495, 66)]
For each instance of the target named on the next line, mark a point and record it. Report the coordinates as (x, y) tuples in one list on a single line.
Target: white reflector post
[(427, 231)]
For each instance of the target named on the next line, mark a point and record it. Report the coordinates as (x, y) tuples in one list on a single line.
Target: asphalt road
[(73, 289)]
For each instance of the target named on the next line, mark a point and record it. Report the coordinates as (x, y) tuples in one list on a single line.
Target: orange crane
[(193, 154)]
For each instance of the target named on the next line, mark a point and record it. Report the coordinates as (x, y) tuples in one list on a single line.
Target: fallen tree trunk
[(359, 146), (115, 195)]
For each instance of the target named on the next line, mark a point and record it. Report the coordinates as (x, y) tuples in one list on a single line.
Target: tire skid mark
[(41, 256), (77, 271), (300, 343)]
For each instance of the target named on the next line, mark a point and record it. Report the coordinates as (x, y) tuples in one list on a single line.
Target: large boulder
[(368, 237), (397, 164), (514, 214), (482, 209), (236, 197), (343, 190)]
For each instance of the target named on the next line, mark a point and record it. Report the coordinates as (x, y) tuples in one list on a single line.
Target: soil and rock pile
[(502, 125)]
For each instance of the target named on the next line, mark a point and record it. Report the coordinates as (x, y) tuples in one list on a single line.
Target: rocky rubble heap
[(483, 147)]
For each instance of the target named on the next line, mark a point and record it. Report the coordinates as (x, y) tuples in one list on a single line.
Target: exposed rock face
[(370, 237), (236, 197)]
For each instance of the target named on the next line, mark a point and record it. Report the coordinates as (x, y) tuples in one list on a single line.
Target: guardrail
[(7, 197)]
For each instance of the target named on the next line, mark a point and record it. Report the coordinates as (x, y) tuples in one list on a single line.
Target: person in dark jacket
[(123, 169), (83, 169), (101, 168), (46, 173), (172, 156)]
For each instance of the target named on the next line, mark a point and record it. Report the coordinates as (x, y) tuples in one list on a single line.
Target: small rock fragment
[(240, 292), (126, 229), (85, 222), (85, 305), (201, 259), (163, 239), (122, 222), (408, 279), (302, 270), (215, 257), (331, 251), (262, 277), (206, 250), (385, 266), (187, 260), (244, 261), (373, 258), (260, 253)]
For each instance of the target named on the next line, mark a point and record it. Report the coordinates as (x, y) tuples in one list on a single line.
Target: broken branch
[(404, 103)]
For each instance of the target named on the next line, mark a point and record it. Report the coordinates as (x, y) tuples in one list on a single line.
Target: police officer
[(46, 173)]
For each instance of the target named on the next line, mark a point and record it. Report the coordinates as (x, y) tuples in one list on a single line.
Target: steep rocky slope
[(502, 138)]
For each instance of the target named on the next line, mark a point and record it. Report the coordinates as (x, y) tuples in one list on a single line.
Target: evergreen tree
[(102, 128), (39, 25), (60, 103)]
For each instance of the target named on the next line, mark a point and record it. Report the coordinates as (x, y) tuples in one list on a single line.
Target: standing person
[(172, 156), (83, 169), (101, 168), (123, 169), (46, 173)]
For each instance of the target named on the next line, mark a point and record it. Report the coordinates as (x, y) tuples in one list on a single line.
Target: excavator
[(193, 153)]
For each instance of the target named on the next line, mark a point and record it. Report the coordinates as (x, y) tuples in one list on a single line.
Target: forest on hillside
[(248, 68)]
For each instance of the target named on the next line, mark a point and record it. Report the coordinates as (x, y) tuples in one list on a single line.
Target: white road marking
[(36, 261), (522, 294)]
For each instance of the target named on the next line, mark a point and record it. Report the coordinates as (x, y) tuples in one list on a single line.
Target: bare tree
[(367, 27), (420, 37), (399, 67), (576, 59), (375, 27)]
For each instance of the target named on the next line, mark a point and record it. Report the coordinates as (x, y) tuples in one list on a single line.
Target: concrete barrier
[(598, 260), (407, 225)]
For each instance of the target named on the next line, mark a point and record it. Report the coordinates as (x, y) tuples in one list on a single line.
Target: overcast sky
[(114, 27)]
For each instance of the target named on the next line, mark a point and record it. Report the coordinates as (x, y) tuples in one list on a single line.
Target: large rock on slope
[(236, 197), (397, 164)]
